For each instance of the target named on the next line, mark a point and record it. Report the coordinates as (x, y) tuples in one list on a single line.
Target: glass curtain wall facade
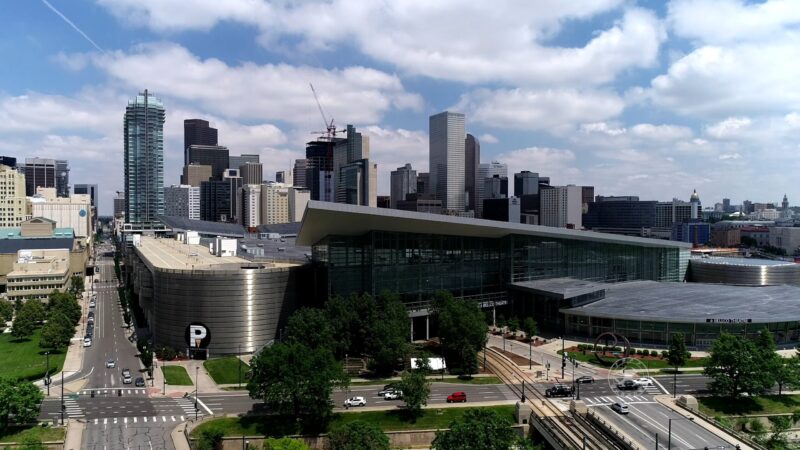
[(417, 265), (697, 335), (144, 159)]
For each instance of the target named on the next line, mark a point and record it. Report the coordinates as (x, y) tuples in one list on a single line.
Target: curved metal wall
[(709, 271), (241, 308)]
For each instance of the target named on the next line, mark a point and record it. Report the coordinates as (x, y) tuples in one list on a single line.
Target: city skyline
[(631, 125)]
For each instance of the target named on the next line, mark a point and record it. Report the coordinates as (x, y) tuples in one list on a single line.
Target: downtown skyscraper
[(143, 138), (447, 159)]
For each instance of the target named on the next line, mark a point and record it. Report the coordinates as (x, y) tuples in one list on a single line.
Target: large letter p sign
[(196, 335)]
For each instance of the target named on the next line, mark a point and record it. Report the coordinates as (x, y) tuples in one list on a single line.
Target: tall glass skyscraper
[(447, 159), (144, 159)]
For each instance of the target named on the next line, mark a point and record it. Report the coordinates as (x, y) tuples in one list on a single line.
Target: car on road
[(627, 385), (620, 407), (110, 364), (457, 397), (92, 304), (126, 376), (87, 342), (558, 390), (584, 379), (643, 381), (393, 395), (355, 401), (139, 382), (386, 389)]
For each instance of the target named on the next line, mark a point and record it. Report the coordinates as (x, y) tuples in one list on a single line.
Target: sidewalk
[(195, 369), (74, 436)]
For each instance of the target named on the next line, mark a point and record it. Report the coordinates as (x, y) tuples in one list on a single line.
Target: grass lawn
[(393, 420), (226, 370), (766, 404), (43, 434), (25, 359), (176, 376), (607, 361)]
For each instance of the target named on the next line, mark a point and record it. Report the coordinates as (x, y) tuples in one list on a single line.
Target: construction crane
[(330, 128)]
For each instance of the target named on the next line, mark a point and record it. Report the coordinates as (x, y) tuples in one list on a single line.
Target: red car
[(457, 397)]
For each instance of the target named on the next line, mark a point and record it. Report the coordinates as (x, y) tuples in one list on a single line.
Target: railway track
[(569, 432)]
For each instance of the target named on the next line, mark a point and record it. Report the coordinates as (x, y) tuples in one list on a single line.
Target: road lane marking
[(204, 406)]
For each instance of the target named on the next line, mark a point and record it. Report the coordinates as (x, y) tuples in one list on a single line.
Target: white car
[(110, 364), (92, 304), (87, 342), (620, 407), (393, 395), (643, 381), (355, 401)]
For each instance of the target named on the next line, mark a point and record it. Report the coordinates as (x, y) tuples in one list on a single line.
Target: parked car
[(110, 364), (457, 397), (355, 401), (643, 381), (559, 390), (584, 379), (627, 385), (393, 395), (87, 342), (139, 382), (620, 407), (92, 304)]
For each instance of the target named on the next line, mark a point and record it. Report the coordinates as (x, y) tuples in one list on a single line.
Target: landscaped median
[(227, 370), (176, 376), (392, 420), (32, 434), (433, 379), (608, 359)]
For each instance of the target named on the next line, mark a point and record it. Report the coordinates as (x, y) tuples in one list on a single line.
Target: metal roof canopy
[(561, 288), (654, 301), (322, 219)]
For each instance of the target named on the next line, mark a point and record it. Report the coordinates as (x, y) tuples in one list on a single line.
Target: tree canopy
[(480, 429), (357, 435), (310, 327), (6, 310), (57, 332), (297, 381), (387, 339), (735, 366), (461, 328), (19, 402), (416, 390), (677, 354)]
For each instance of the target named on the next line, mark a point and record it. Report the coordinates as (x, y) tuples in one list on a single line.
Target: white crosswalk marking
[(95, 421), (164, 418), (145, 418), (182, 419), (125, 420), (134, 420), (115, 420), (172, 417), (105, 421)]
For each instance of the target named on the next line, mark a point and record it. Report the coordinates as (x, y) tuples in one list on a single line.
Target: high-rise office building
[(88, 189), (251, 205), (319, 168), (587, 197), (676, 211), (234, 161), (194, 174), (251, 173), (487, 171), (215, 156), (299, 172), (403, 182), (219, 200), (274, 203), (472, 159), (447, 138), (285, 177), (12, 197), (143, 137), (197, 132), (119, 204), (424, 183), (354, 175), (62, 178), (298, 199), (561, 206), (526, 183), (39, 172), (726, 205), (495, 187), (8, 161), (182, 201)]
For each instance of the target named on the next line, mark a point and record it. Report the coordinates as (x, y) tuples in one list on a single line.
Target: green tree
[(416, 390), (295, 380), (770, 361), (146, 357), (677, 356), (530, 327), (6, 310), (358, 435), (19, 401), (461, 328), (480, 429), (733, 365), (24, 324), (513, 324), (57, 332), (310, 327), (387, 339), (285, 444), (66, 304), (209, 439), (34, 309), (350, 318), (777, 438), (76, 284)]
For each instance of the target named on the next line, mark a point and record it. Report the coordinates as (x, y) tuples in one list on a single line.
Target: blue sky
[(635, 98)]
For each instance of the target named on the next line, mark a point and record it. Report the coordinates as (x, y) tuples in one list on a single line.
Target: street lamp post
[(530, 353), (47, 374), (563, 355), (240, 366), (669, 429), (63, 407), (196, 389)]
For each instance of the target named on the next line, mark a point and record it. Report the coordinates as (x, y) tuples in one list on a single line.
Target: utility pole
[(563, 358), (196, 389), (63, 407), (47, 375), (240, 366)]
